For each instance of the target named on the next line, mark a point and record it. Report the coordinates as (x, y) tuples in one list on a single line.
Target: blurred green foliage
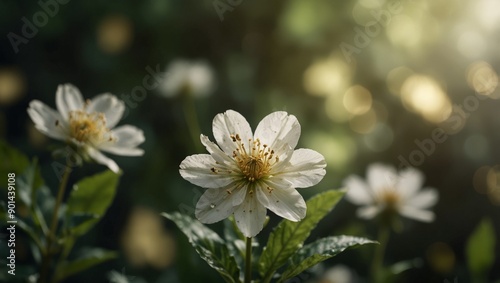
[(264, 54)]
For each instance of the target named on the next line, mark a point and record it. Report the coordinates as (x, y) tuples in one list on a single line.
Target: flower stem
[(47, 253), (248, 261), (378, 258), (192, 120)]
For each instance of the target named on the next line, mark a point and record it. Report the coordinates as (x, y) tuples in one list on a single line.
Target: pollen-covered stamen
[(88, 127), (256, 161)]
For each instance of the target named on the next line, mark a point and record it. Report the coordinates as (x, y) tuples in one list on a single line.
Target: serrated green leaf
[(481, 249), (92, 195), (289, 236), (208, 245), (88, 259), (318, 251)]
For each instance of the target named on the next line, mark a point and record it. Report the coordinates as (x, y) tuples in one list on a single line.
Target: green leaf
[(88, 259), (14, 161), (289, 236), (91, 196), (208, 245), (235, 241), (318, 251), (24, 186), (481, 248)]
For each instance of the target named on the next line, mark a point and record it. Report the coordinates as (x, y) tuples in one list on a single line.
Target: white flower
[(247, 173), (386, 191), (195, 77), (88, 125), (339, 274)]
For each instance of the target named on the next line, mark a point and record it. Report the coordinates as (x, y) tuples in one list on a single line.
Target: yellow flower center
[(256, 161), (390, 198), (87, 127)]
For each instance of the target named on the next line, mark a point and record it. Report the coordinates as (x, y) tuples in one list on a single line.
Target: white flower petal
[(368, 212), (68, 98), (227, 124), (215, 205), (305, 168), (197, 169), (410, 181), (110, 106), (417, 214), (424, 199), (47, 120), (100, 158), (124, 151), (284, 153), (219, 155), (125, 140), (282, 199), (239, 192), (250, 216), (380, 176), (358, 191), (278, 126)]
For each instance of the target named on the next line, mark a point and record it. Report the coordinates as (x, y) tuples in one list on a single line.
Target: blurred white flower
[(387, 192), (194, 77), (247, 173), (118, 277), (88, 125), (338, 274)]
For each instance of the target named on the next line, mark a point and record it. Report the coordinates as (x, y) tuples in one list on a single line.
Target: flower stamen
[(256, 162), (88, 127)]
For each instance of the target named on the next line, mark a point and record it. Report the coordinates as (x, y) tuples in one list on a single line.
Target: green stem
[(47, 255), (248, 261), (378, 258), (192, 120)]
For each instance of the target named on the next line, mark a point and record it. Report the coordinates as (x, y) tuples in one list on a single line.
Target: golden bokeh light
[(12, 86), (404, 31), (414, 28), (114, 34), (479, 180), (482, 78), (327, 76), (145, 240), (487, 13), (493, 184), (423, 95), (441, 257), (357, 100)]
